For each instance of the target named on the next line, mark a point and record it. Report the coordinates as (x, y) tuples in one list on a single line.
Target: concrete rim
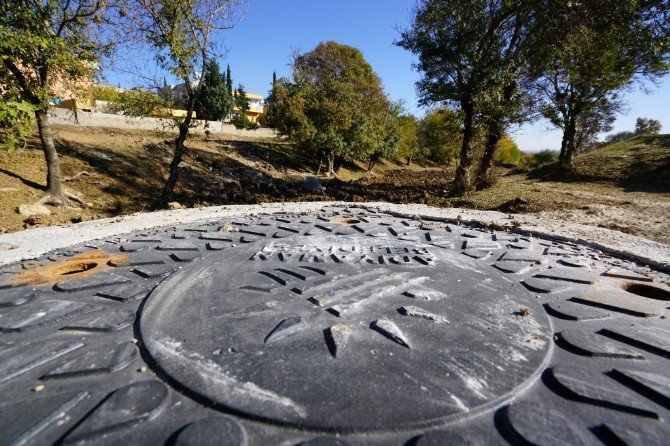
[(32, 243)]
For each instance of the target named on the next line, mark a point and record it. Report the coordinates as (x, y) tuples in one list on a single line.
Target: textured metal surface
[(344, 327)]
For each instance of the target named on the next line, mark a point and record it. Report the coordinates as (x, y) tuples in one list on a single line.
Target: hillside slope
[(641, 163), (623, 186)]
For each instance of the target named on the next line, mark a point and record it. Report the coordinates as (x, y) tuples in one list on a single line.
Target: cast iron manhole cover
[(343, 327)]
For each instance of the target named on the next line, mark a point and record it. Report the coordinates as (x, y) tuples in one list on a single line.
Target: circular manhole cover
[(347, 332), (341, 327)]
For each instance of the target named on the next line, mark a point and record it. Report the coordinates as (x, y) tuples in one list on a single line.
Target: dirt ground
[(118, 172)]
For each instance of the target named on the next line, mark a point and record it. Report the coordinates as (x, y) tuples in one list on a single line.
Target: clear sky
[(272, 29)]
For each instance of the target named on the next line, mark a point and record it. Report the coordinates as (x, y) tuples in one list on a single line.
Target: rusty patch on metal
[(81, 265)]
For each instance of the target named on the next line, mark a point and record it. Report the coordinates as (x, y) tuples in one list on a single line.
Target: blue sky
[(272, 29)]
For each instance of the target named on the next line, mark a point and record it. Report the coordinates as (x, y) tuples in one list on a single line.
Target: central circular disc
[(347, 332)]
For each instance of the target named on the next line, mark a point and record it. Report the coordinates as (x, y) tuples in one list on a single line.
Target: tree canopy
[(43, 44), (587, 52), (334, 106), (469, 56)]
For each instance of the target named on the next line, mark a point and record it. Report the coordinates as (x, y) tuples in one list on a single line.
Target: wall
[(97, 119)]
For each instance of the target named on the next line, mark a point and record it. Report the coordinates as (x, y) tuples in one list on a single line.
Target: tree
[(213, 102), (408, 145), (440, 134), (598, 119), (16, 120), (229, 81), (462, 48), (509, 98), (646, 126), (270, 116), (183, 35), (241, 104), (43, 43), (380, 136), (332, 104), (590, 51)]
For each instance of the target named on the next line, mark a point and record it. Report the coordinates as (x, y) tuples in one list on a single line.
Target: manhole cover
[(346, 327)]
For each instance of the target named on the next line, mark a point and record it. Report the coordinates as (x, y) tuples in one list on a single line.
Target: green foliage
[(229, 81), (334, 106), (440, 134), (105, 93), (241, 104), (16, 119), (137, 102), (507, 153), (47, 41), (546, 156), (241, 101), (588, 52), (472, 56), (213, 102), (647, 126), (408, 146), (379, 135), (270, 116)]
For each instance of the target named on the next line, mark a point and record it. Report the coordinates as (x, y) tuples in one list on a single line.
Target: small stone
[(174, 205), (30, 210), (134, 341), (142, 369), (39, 388), (524, 312)]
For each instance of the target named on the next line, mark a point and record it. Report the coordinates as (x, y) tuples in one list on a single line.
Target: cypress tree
[(213, 101), (270, 117), (229, 81)]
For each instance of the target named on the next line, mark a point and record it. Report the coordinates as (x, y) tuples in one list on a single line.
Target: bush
[(546, 156), (137, 102), (105, 93), (507, 153)]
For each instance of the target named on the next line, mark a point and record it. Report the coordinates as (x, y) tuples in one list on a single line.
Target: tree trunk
[(179, 150), (331, 165), (462, 181), (54, 192), (339, 161), (409, 161), (485, 172), (568, 143)]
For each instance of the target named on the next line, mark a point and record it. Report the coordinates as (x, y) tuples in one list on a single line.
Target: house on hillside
[(257, 108), (175, 94)]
